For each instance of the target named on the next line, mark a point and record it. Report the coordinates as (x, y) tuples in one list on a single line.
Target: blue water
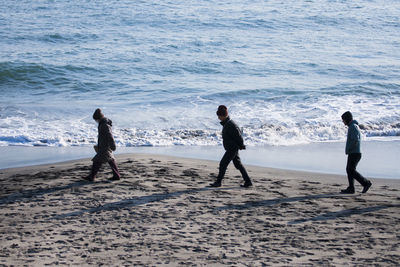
[(287, 70)]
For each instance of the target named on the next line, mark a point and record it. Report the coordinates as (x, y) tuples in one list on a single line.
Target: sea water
[(286, 70)]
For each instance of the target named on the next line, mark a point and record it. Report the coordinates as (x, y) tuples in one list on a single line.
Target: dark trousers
[(97, 165), (229, 156), (352, 173)]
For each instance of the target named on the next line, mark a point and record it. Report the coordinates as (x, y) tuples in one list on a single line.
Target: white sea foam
[(263, 123)]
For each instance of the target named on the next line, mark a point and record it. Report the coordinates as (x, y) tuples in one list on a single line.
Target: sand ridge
[(163, 214)]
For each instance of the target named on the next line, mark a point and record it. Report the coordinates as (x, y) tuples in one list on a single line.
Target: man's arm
[(236, 134)]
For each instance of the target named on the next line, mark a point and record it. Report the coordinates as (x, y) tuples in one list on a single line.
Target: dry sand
[(162, 214)]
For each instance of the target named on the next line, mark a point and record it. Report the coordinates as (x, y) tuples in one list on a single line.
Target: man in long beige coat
[(104, 148)]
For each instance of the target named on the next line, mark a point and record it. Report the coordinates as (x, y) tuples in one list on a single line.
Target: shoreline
[(162, 213), (290, 174), (380, 158)]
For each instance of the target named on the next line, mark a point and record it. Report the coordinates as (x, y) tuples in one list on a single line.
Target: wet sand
[(161, 213)]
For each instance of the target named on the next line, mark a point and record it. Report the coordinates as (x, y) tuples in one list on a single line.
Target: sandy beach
[(161, 213)]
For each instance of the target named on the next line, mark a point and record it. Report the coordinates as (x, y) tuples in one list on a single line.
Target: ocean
[(286, 70)]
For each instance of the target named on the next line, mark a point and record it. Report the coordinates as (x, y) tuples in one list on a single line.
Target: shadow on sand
[(271, 202), (342, 213), (28, 194), (323, 217), (137, 201)]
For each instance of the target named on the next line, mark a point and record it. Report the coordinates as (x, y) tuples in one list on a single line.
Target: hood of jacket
[(353, 122)]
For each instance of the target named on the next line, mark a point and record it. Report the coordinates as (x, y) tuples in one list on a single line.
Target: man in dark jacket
[(233, 142), (354, 155), (104, 148)]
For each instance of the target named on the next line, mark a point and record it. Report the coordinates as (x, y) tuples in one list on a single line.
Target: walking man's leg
[(95, 169), (350, 169), (115, 171), (361, 179), (352, 173), (238, 165), (223, 165)]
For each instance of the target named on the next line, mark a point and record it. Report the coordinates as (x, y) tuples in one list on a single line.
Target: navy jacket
[(353, 138)]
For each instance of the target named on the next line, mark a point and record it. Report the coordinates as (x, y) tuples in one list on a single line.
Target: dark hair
[(222, 111), (347, 116), (97, 115)]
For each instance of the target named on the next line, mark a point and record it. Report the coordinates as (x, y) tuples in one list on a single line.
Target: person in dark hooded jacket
[(232, 142), (354, 155), (104, 148)]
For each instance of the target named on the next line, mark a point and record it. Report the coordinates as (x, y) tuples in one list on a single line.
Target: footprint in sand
[(190, 173), (162, 171)]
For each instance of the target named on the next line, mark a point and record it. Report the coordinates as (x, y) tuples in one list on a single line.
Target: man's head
[(98, 115), (347, 117), (222, 112)]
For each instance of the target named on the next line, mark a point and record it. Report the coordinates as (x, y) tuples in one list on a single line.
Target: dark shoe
[(88, 178), (246, 184), (216, 184), (348, 190), (114, 178), (366, 187)]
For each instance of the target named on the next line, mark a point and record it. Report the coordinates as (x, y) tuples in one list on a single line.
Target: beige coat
[(105, 142)]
